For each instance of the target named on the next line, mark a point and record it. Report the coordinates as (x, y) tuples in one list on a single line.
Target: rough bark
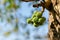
[(54, 21)]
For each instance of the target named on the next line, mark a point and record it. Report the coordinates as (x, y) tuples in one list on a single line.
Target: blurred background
[(13, 25)]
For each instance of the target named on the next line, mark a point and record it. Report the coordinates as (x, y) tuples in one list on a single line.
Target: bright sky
[(25, 10)]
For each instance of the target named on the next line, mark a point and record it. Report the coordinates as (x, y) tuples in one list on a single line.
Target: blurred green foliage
[(36, 18), (12, 4), (7, 33)]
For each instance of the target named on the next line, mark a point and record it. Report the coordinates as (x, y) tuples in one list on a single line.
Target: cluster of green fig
[(36, 19)]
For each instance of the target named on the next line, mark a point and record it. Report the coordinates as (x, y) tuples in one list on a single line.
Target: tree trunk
[(54, 21)]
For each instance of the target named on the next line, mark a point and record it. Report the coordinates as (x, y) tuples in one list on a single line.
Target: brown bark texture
[(54, 21)]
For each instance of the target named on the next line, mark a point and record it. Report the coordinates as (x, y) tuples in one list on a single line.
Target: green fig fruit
[(35, 24), (39, 14), (35, 19), (34, 14), (29, 21), (41, 20)]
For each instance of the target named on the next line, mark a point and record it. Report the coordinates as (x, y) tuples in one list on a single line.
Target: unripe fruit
[(39, 14), (35, 25), (35, 19), (34, 14), (29, 21), (41, 20)]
